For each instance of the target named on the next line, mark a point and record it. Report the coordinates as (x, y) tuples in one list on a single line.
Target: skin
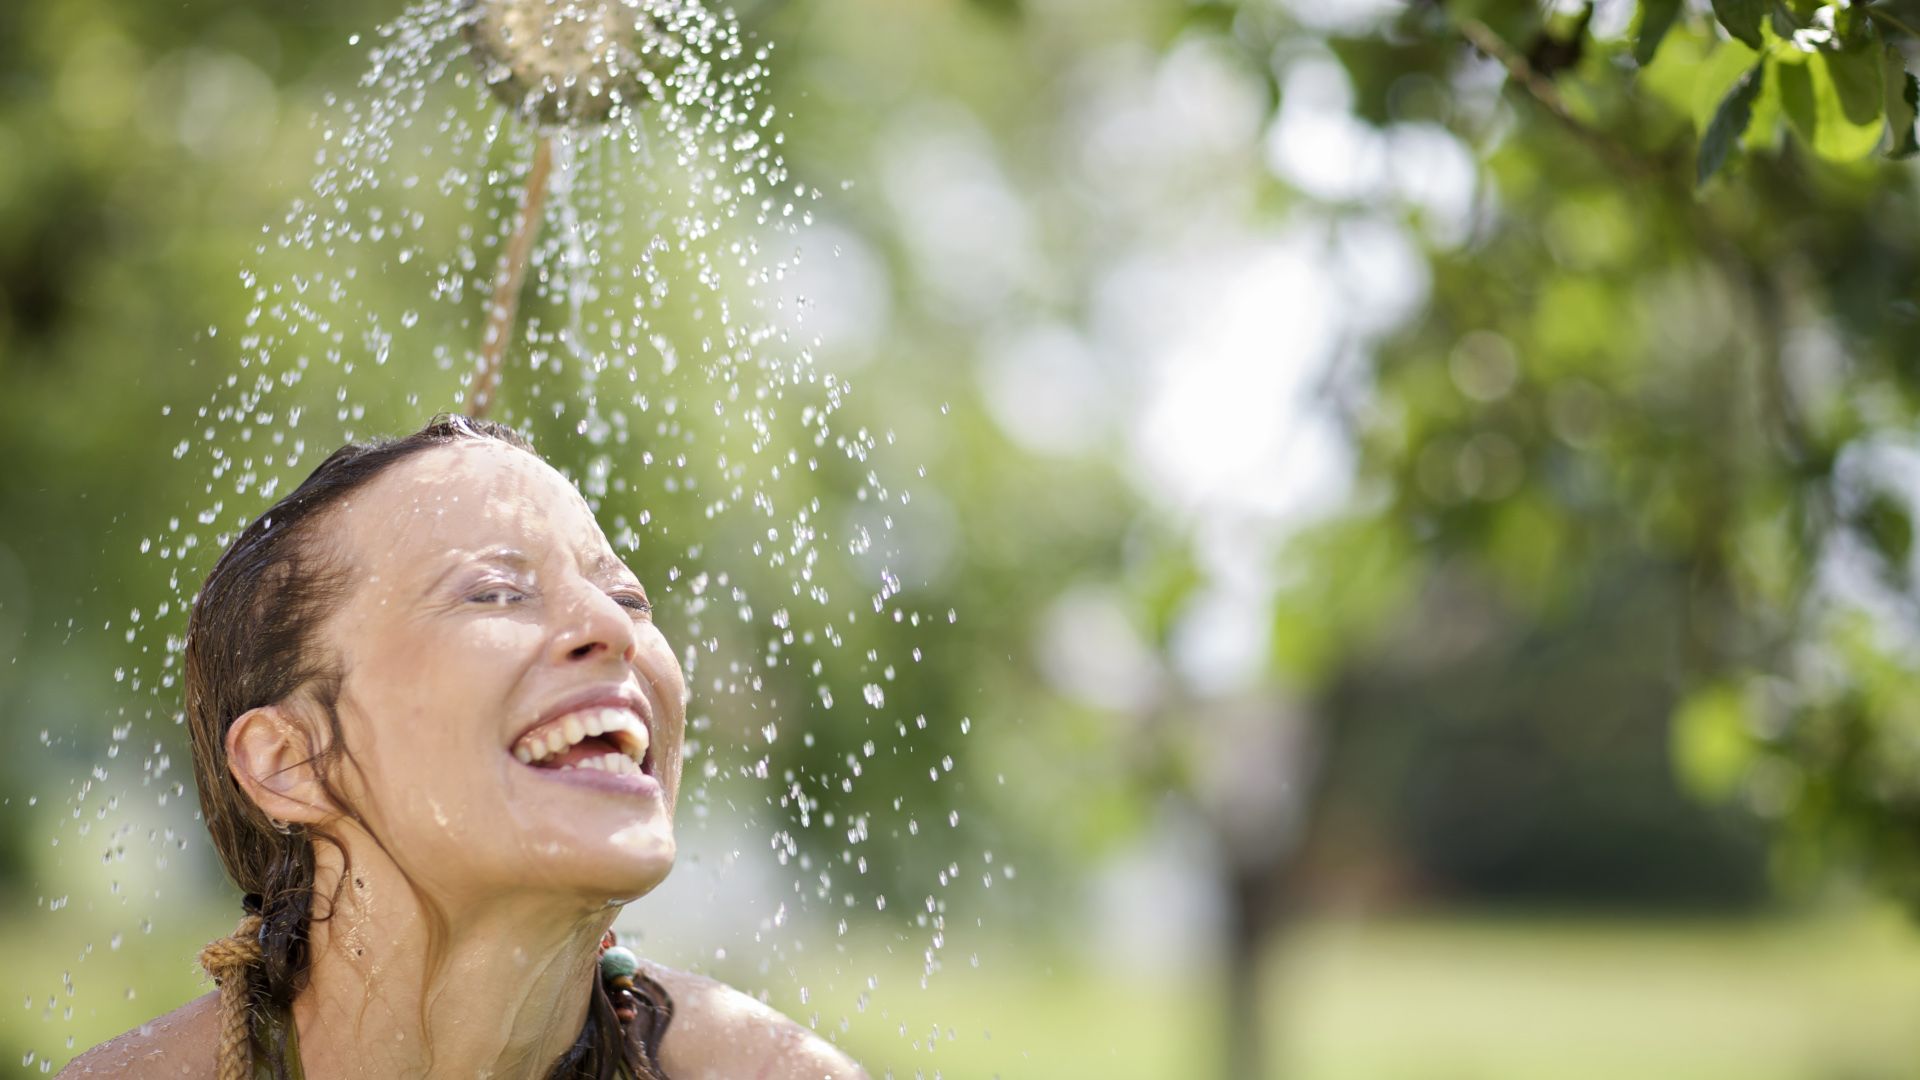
[(484, 595)]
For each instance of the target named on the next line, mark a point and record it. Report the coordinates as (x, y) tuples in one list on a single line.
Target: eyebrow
[(611, 565), (512, 556)]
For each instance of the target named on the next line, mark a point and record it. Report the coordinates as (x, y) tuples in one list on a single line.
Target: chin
[(646, 858), (598, 832), (629, 863)]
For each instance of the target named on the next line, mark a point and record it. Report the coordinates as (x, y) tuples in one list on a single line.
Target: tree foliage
[(1677, 342)]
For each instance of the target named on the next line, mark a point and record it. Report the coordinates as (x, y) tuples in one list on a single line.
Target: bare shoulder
[(719, 1033), (176, 1046)]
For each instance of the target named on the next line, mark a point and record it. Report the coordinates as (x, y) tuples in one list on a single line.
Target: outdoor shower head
[(571, 62)]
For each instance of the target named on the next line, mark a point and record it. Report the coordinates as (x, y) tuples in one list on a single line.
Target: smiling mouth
[(608, 739)]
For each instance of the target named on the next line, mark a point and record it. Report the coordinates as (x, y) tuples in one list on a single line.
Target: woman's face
[(514, 715)]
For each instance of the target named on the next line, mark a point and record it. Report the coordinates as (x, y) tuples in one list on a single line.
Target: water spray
[(555, 63)]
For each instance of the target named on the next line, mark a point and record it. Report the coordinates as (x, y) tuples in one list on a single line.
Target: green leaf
[(1656, 18), (1714, 79), (1730, 121), (1887, 526), (1835, 102), (1741, 18), (1902, 16), (1852, 29), (1763, 130), (1673, 78), (1711, 748), (1785, 20), (1902, 94)]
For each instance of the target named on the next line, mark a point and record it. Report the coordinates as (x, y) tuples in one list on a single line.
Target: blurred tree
[(1641, 451), (1618, 372), (1664, 374)]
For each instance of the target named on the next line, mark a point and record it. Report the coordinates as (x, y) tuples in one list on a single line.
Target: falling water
[(662, 360)]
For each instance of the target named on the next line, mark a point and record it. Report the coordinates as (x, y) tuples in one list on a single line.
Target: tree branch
[(1542, 89)]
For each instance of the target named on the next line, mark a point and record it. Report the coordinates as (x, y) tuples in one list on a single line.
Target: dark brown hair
[(253, 640)]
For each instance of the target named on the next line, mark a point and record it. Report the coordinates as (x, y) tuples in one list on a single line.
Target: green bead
[(618, 961)]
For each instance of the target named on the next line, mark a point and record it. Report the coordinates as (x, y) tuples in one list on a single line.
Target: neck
[(500, 990)]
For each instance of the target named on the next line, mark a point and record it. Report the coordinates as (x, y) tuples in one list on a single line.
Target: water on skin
[(658, 331)]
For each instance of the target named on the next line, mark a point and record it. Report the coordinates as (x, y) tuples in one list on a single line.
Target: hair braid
[(231, 961)]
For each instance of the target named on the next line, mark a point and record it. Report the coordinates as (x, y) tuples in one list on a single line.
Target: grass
[(1426, 999), (1457, 999), (1579, 1000)]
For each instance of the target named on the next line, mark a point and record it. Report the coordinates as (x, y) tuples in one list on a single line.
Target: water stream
[(662, 358)]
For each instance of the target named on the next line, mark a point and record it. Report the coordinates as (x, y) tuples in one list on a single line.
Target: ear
[(270, 752)]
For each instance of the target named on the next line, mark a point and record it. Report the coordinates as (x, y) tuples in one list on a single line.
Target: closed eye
[(497, 597), (632, 601)]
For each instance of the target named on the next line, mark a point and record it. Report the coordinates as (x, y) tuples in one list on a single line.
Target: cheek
[(661, 669), (658, 660), (437, 663), (434, 694)]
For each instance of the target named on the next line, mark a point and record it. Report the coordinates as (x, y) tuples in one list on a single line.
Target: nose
[(592, 626)]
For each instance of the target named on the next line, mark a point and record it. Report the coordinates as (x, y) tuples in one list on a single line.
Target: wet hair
[(253, 639)]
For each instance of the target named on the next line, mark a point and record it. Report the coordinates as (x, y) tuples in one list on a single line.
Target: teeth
[(629, 733), (609, 720), (625, 730), (618, 764), (607, 763)]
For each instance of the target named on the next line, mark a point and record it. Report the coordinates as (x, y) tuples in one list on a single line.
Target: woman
[(437, 739)]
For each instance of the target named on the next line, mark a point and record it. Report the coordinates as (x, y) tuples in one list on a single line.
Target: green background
[(1433, 576)]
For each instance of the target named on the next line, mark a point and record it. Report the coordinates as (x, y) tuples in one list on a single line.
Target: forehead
[(461, 497)]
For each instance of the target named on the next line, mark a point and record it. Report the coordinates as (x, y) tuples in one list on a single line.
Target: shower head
[(571, 62)]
